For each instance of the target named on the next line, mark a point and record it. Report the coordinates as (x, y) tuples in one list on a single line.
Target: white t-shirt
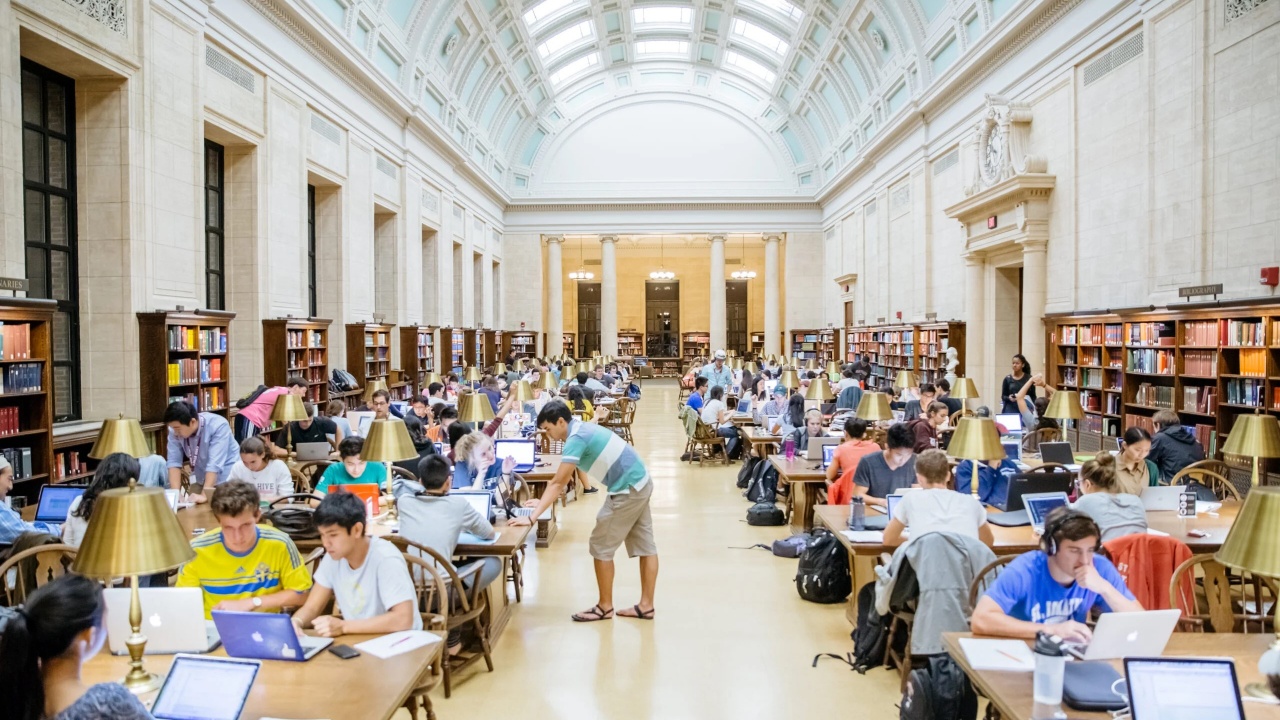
[(940, 510), (73, 529), (711, 412), (372, 589), (273, 480)]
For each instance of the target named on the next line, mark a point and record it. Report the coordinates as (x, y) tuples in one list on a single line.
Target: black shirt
[(317, 432)]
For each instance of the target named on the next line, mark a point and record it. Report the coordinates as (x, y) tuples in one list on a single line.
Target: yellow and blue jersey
[(272, 565)]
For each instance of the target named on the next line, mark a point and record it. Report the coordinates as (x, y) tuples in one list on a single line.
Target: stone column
[(772, 309), (717, 293), (555, 296), (1033, 299), (608, 295), (976, 329)]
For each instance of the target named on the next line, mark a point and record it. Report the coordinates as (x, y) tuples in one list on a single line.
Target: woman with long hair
[(114, 471), (1013, 382)]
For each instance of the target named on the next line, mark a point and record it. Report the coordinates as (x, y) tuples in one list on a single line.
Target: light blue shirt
[(212, 449), (722, 377)]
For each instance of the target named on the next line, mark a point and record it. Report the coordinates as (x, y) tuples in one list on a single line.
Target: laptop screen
[(55, 502), (205, 688), (1011, 422), (828, 454), (1039, 505), (892, 501), (478, 500), (521, 450), (1183, 689), (1012, 448)]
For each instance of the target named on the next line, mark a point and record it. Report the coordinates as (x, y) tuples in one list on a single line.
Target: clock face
[(993, 153)]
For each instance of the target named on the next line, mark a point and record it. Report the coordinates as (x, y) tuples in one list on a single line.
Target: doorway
[(735, 313), (588, 319), (662, 318), (1007, 301)]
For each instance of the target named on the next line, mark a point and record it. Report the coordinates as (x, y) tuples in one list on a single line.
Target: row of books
[(1101, 425), (314, 374), (1091, 401), (1149, 333), (1207, 436), (377, 339), (300, 359), (207, 340), (1152, 362), (1092, 378), (67, 464), (304, 338), (1241, 391), (1253, 362), (1200, 332), (191, 370), (9, 423), (206, 400), (15, 341), (1241, 333), (1157, 396), (22, 378), (20, 459), (376, 354), (1200, 362), (1201, 399)]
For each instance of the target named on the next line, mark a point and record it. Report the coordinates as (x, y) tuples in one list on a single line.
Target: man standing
[(625, 517), (202, 439), (717, 373)]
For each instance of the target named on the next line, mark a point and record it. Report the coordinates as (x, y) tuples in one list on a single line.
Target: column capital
[(554, 238), (608, 238), (773, 237), (972, 258), (718, 237)]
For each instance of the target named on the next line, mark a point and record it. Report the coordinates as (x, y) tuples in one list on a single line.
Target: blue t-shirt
[(695, 401), (993, 483), (1026, 591)]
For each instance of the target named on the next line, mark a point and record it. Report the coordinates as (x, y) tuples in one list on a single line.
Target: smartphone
[(346, 652)]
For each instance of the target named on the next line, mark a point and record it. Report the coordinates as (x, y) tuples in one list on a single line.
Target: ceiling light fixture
[(662, 273), (744, 274), (581, 273)]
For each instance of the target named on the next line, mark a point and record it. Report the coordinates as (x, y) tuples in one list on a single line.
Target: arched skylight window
[(547, 9), (760, 36), (781, 7), (749, 66), (662, 47), (565, 38), (669, 16), (574, 67)]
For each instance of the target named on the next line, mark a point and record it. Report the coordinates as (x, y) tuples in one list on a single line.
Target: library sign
[(16, 284), (1197, 290)]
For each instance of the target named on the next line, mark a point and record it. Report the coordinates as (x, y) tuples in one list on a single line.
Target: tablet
[(205, 688)]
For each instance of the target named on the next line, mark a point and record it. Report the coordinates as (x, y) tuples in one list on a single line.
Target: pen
[(1011, 657), (410, 637)]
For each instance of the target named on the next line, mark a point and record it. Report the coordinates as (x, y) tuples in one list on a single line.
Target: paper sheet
[(1159, 533), (864, 536), (396, 643), (1007, 655), (467, 538)]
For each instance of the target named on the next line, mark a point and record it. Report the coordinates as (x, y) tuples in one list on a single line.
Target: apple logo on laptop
[(1133, 637), (154, 620), (257, 636)]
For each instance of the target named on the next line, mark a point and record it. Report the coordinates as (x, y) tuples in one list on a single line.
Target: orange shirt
[(847, 456)]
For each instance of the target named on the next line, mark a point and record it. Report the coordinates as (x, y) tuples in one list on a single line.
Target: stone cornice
[(1003, 196), (659, 206)]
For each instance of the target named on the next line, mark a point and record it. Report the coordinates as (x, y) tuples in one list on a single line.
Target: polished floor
[(732, 639)]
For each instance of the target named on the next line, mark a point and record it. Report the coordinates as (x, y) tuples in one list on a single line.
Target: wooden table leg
[(546, 529), (801, 508)]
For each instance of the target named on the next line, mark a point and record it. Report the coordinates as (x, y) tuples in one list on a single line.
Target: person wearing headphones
[(1053, 589)]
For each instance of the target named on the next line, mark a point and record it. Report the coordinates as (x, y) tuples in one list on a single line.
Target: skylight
[(575, 67), (565, 38), (750, 67), (546, 9), (760, 36), (662, 47), (663, 16), (782, 7)]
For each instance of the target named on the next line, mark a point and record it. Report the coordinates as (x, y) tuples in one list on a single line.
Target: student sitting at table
[(431, 517), (309, 430), (579, 404), (936, 507), (474, 464), (812, 428), (43, 647), (367, 575), (243, 566), (11, 523), (697, 398), (203, 439), (774, 405), (792, 417), (1053, 589), (270, 476), (114, 471), (716, 414), (333, 412), (445, 415), (880, 474), (993, 479), (924, 429), (1135, 472), (353, 470), (844, 463), (1116, 512), (913, 409)]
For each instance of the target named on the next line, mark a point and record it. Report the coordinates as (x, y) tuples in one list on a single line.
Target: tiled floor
[(732, 639)]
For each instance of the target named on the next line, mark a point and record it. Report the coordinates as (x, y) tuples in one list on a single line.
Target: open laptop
[(360, 420), (771, 422), (876, 521), (312, 451), (173, 621), (55, 502), (524, 452), (481, 501), (1183, 689), (1057, 452), (513, 508), (1026, 484), (205, 688), (265, 636), (1039, 505), (1012, 447), (1129, 634), (370, 493), (828, 454), (814, 451), (1011, 422), (1162, 497)]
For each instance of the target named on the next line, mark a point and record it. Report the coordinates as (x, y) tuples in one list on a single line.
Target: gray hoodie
[(1117, 514)]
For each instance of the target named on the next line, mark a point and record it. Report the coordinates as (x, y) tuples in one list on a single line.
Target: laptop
[(771, 422), (265, 636), (1011, 422), (1057, 452), (481, 501), (1039, 505), (370, 493), (1028, 483), (828, 454), (173, 620), (880, 522), (55, 502), (513, 508), (1183, 689), (313, 451), (1162, 497), (360, 420), (1012, 447), (816, 445), (205, 688), (524, 452), (1129, 634)]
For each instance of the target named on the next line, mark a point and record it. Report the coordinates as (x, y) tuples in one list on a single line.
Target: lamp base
[(1260, 690), (143, 682)]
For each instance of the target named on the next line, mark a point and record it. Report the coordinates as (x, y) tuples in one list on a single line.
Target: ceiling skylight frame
[(760, 36), (547, 10), (567, 39), (660, 46), (750, 67), (780, 8), (573, 69), (662, 16)]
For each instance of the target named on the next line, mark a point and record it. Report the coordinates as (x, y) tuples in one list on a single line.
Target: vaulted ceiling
[(818, 78)]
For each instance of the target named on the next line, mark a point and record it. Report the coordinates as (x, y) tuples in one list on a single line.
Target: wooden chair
[(36, 565), (1224, 600), (547, 446), (430, 588), (301, 483), (1049, 467), (311, 470), (706, 439), (961, 413), (614, 420), (1216, 482), (986, 576), (401, 473), (1044, 435)]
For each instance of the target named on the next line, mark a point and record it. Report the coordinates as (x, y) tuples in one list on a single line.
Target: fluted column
[(772, 307), (976, 336), (555, 296), (608, 295), (1033, 300), (718, 299)]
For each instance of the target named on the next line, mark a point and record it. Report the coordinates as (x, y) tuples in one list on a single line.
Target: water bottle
[(1051, 663), (789, 448), (857, 513)]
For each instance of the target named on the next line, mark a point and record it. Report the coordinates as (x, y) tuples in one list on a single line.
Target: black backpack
[(823, 575), (296, 520), (763, 486), (748, 467), (870, 635), (342, 380), (764, 513), (938, 691), (247, 400)]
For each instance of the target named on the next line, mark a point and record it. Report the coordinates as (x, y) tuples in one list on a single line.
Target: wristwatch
[(257, 602)]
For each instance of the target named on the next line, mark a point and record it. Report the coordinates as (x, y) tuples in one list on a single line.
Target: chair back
[(1224, 600), (1044, 435), (401, 473), (986, 576), (430, 587), (461, 603), (1050, 467), (547, 446), (878, 436), (961, 413), (301, 483), (1215, 481), (33, 567), (311, 470), (703, 432)]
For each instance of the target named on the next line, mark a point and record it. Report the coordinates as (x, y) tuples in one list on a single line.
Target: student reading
[(1054, 588)]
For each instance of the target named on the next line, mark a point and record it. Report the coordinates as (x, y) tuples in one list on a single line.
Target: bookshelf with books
[(296, 346), (369, 352), (417, 355), (26, 401), (694, 345), (449, 342), (195, 364), (816, 344), (523, 344), (932, 341), (630, 343), (568, 345)]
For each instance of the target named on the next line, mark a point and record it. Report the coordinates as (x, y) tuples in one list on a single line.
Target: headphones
[(1053, 527)]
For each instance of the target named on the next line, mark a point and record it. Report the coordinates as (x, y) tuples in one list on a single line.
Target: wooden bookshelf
[(501, 345), (293, 346), (71, 446), (195, 364), (666, 367), (523, 344), (630, 343), (816, 344), (450, 342), (369, 352), (417, 355), (569, 345), (472, 347), (932, 341), (694, 345), (486, 348), (26, 398)]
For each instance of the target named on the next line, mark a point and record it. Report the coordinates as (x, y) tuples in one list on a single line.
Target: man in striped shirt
[(625, 517)]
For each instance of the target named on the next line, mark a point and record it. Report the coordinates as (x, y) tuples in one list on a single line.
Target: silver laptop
[(814, 451), (205, 688), (1199, 688), (1039, 505), (1011, 422), (1131, 634), (1162, 497), (313, 450), (172, 619)]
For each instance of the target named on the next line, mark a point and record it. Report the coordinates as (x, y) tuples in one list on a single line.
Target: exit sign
[(991, 223)]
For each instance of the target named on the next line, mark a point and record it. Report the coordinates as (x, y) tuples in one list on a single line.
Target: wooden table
[(537, 479), (804, 477), (323, 687), (759, 442), (742, 419), (1010, 692), (1017, 540)]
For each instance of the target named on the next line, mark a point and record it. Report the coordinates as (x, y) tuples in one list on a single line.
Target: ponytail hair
[(40, 630), (1101, 472)]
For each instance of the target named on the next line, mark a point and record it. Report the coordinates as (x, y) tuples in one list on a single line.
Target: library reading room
[(348, 346)]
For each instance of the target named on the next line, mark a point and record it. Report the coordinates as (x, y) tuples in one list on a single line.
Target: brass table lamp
[(976, 439), (1251, 546), (874, 407), (288, 409), (752, 368), (428, 378), (789, 380), (820, 390), (964, 389), (475, 408), (833, 370), (811, 364), (500, 369), (522, 391), (372, 387), (388, 441), (133, 532), (1065, 405), (472, 374), (120, 435), (906, 379), (547, 381), (1254, 436)]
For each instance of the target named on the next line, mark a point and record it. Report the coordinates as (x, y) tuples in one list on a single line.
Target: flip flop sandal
[(595, 614), (640, 614)]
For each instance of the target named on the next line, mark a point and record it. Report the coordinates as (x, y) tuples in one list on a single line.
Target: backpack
[(938, 691), (748, 467), (247, 400), (823, 575), (764, 513), (870, 635), (343, 380), (763, 487), (633, 391), (792, 547), (295, 520)]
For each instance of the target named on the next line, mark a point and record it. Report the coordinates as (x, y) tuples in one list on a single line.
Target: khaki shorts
[(624, 518)]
